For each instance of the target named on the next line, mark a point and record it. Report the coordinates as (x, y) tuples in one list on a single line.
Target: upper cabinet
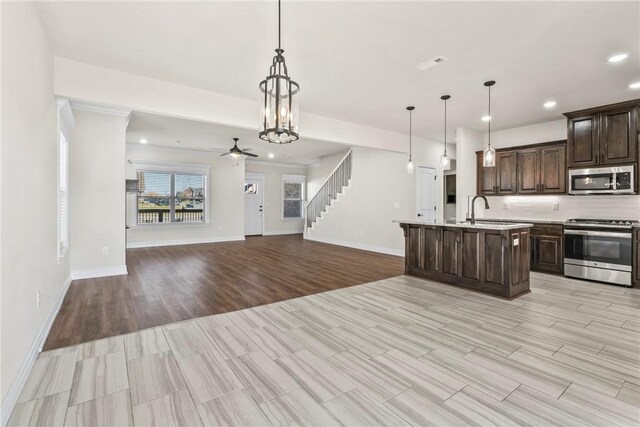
[(534, 169), (603, 136)]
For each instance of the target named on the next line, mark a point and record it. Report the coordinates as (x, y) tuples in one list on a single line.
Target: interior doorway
[(426, 194), (253, 205)]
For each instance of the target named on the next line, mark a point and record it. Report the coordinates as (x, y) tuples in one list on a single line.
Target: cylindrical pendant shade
[(279, 109), (489, 157), (410, 166), (445, 162)]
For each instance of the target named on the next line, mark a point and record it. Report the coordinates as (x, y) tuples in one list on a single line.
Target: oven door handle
[(598, 233)]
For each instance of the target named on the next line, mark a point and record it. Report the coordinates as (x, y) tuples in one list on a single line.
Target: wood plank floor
[(400, 351), (173, 283)]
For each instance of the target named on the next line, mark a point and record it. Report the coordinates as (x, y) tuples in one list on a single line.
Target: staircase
[(332, 187)]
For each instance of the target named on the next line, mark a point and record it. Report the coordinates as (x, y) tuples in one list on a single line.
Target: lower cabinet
[(635, 279), (490, 261), (547, 252)]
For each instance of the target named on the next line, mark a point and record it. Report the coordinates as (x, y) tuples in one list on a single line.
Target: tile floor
[(400, 351)]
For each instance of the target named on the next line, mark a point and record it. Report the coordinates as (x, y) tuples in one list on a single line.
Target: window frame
[(66, 122), (174, 169), (294, 179)]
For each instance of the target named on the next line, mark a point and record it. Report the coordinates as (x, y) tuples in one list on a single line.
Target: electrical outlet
[(556, 206), (396, 205), (105, 250), (37, 298)]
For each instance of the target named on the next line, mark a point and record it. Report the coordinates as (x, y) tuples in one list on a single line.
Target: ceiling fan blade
[(249, 154), (224, 154), (247, 149)]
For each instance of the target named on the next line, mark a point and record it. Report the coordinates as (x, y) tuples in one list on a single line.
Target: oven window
[(612, 250), (602, 181)]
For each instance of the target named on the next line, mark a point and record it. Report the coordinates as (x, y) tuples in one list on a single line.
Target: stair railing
[(329, 191)]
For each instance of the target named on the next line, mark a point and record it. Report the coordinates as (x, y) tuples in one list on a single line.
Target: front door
[(253, 206), (426, 194)]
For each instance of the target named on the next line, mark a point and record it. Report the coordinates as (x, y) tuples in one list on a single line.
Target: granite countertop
[(480, 226), (535, 221)]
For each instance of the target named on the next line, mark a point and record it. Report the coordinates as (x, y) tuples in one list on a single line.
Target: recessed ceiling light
[(549, 104), (635, 85), (143, 141), (619, 57), (486, 118), (271, 155)]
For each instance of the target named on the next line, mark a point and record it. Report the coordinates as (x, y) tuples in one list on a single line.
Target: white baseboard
[(11, 398), (90, 273), (280, 233), (155, 243), (356, 245)]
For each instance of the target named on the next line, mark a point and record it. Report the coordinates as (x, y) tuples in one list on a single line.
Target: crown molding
[(103, 109)]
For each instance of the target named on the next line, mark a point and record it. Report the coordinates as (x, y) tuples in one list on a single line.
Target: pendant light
[(410, 165), (445, 162), (279, 110), (489, 155)]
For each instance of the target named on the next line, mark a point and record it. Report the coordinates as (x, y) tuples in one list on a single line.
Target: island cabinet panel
[(450, 245), (471, 254), (432, 258), (413, 246), (520, 258), (493, 261)]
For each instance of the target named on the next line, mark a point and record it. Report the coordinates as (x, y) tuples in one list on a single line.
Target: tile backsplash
[(560, 207)]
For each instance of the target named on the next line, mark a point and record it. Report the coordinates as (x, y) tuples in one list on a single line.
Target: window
[(166, 197), (292, 196)]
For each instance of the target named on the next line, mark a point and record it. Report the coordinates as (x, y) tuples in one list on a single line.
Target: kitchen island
[(484, 257)]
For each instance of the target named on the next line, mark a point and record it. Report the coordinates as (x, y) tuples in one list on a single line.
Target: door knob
[(419, 214)]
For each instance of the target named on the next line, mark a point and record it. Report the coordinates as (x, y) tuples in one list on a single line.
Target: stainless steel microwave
[(607, 180)]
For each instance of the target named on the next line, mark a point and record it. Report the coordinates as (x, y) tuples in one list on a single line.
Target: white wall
[(558, 207), (96, 194), (318, 173), (467, 143), (226, 199), (381, 191), (29, 261), (273, 222)]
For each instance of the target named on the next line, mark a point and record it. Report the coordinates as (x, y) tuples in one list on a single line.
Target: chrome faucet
[(473, 207)]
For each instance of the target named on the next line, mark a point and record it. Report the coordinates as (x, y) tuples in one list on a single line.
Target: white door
[(253, 206), (426, 194)]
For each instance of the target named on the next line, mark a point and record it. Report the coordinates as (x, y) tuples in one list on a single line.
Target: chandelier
[(279, 111)]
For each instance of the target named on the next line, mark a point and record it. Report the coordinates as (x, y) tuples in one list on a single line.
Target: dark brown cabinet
[(542, 170), (485, 178), (534, 169), (491, 261), (506, 172), (547, 253), (553, 169), (605, 135), (635, 279)]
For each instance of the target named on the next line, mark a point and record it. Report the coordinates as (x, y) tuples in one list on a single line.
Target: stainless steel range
[(598, 249)]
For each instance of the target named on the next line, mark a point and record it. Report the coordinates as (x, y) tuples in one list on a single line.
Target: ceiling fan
[(235, 152)]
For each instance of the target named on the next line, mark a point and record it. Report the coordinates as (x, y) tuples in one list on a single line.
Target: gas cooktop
[(601, 222)]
